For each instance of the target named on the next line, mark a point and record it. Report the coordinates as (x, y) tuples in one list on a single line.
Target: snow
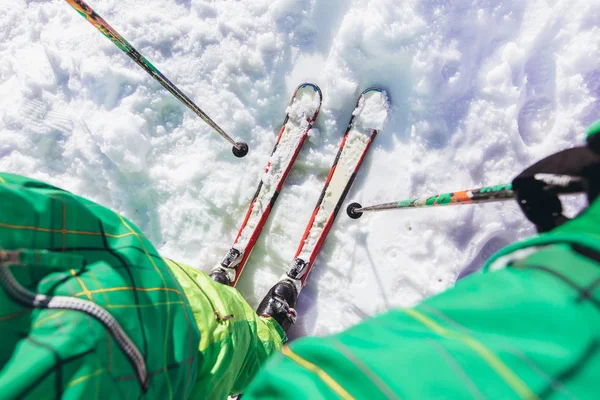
[(479, 89), (372, 113), (302, 110)]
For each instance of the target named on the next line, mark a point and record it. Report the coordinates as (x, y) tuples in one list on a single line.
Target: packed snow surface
[(479, 89)]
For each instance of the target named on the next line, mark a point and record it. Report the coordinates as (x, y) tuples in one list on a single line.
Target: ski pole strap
[(568, 171)]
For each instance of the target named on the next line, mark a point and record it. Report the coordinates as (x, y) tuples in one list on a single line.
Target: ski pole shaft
[(552, 183), (472, 196), (240, 149)]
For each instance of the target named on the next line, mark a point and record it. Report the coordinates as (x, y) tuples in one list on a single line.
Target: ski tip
[(312, 86), (240, 149), (304, 110), (351, 211), (372, 89)]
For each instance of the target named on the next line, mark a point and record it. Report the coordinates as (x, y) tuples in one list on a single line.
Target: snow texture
[(303, 108), (372, 113), (479, 89)]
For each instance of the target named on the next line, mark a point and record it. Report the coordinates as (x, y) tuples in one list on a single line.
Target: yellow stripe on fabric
[(118, 289), (82, 284), (84, 378), (54, 314), (108, 335), (488, 356), (143, 305), (324, 376), (2, 180), (48, 230), (167, 327), (98, 284), (370, 374)]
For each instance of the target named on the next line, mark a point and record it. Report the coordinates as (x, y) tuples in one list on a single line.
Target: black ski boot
[(279, 303)]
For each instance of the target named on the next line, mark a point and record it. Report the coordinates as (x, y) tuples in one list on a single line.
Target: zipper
[(29, 299)]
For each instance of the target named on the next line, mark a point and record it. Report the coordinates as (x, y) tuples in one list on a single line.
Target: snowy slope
[(479, 90)]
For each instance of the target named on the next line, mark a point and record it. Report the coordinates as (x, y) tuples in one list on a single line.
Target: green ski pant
[(88, 308)]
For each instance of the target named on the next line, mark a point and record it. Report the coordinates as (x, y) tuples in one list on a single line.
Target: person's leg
[(234, 342), (118, 320)]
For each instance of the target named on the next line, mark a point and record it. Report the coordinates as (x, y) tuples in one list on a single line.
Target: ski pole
[(240, 149), (479, 195), (559, 184)]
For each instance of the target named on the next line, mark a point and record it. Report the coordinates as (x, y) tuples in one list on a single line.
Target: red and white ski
[(301, 113), (368, 118)]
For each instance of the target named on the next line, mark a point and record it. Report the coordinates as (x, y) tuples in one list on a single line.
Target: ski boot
[(279, 303), (225, 272)]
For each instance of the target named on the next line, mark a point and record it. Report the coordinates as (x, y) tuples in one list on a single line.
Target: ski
[(367, 119), (301, 114)]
